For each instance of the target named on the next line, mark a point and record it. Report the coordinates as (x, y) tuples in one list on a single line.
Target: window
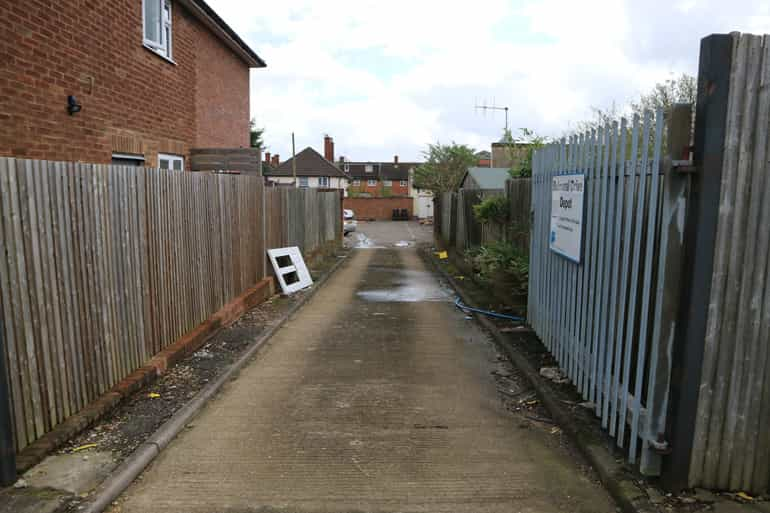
[(323, 181), (356, 183), (174, 162), (127, 159), (404, 183), (157, 26), (388, 183), (303, 182), (347, 167), (371, 183), (369, 168)]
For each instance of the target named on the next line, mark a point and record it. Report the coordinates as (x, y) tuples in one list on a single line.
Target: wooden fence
[(458, 228), (731, 440), (102, 266)]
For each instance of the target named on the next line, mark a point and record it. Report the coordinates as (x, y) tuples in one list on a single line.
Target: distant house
[(484, 158), (487, 178), (309, 169), (126, 82), (379, 179)]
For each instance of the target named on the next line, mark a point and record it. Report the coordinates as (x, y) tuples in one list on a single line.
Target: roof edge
[(201, 10)]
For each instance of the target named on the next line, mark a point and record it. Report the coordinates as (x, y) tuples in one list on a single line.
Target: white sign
[(566, 236)]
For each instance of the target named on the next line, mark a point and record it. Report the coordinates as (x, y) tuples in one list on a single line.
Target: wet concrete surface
[(392, 403), (387, 234)]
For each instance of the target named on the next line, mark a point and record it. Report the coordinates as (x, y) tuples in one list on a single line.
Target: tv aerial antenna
[(486, 107)]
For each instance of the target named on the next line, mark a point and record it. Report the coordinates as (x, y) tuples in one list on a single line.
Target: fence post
[(700, 234), (668, 289), (7, 447)]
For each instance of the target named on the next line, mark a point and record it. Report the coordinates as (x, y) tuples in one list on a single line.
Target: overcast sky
[(388, 77)]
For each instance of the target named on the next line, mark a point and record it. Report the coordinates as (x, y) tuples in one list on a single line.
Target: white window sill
[(158, 54)]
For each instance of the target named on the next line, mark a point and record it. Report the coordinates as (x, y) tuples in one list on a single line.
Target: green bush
[(501, 261), (492, 210)]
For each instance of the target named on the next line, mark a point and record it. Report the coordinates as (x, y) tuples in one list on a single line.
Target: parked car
[(349, 221)]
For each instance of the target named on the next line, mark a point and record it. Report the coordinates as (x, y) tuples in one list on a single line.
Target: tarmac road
[(377, 396)]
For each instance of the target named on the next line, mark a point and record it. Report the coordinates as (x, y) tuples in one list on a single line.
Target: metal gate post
[(700, 234), (7, 447)]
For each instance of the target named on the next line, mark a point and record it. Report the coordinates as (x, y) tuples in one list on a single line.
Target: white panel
[(297, 265)]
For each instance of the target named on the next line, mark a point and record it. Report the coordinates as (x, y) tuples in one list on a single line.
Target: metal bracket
[(683, 166), (660, 446)]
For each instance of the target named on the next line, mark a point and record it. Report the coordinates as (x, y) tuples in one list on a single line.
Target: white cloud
[(386, 78)]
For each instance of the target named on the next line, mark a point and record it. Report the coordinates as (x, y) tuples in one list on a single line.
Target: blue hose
[(466, 308)]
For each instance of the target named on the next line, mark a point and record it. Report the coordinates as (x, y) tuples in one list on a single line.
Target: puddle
[(364, 242), (408, 286)]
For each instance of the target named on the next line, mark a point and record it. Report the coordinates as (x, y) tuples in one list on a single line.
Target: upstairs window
[(403, 183), (323, 181), (356, 183), (371, 183), (303, 182), (388, 183), (368, 168), (157, 26)]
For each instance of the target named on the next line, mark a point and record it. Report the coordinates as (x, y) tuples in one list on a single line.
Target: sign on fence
[(567, 215)]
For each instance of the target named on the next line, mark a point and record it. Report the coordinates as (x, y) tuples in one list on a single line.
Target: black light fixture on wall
[(72, 105)]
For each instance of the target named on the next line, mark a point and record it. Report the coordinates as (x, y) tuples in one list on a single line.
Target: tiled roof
[(380, 170), (309, 163)]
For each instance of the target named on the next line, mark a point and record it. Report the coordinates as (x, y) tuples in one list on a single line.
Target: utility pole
[(293, 161), (7, 448)]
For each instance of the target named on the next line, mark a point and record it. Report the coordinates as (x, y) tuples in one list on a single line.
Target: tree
[(256, 135), (531, 142), (444, 167), (683, 89)]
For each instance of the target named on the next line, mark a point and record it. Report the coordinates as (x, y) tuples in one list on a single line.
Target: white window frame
[(356, 183), (303, 182), (403, 183), (163, 47), (371, 183), (347, 167), (388, 183), (324, 181), (171, 159), (368, 168)]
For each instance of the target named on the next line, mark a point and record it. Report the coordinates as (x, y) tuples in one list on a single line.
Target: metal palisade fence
[(102, 267), (603, 317)]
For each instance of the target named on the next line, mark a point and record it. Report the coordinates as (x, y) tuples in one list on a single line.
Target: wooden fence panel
[(731, 448), (103, 266)]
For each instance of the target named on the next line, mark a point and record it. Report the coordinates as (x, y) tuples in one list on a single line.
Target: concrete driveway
[(377, 396)]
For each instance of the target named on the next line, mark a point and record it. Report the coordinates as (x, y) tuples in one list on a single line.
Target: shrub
[(492, 210), (501, 260)]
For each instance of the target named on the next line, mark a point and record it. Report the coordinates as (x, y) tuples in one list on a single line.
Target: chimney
[(267, 157), (395, 159), (329, 148), (276, 160)]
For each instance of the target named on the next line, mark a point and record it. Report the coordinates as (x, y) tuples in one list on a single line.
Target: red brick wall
[(223, 98), (398, 190), (377, 208), (133, 100)]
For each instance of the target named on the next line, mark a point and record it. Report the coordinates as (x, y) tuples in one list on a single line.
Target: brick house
[(139, 82), (379, 179), (311, 168)]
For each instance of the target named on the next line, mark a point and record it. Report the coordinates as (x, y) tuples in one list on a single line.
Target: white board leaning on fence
[(290, 269), (566, 236)]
